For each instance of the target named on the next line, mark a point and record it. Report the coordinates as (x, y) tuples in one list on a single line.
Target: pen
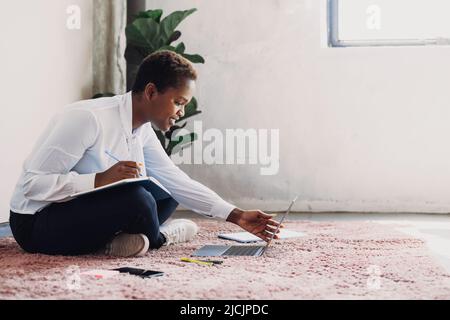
[(115, 158), (201, 262), (109, 154)]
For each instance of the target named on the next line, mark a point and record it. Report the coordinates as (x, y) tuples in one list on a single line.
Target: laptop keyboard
[(242, 251)]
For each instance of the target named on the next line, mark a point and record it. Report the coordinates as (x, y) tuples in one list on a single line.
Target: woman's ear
[(150, 91)]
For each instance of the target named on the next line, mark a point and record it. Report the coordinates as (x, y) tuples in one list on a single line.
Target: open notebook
[(157, 189), (247, 237)]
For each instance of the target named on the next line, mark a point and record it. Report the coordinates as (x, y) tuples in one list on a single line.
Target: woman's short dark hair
[(165, 69)]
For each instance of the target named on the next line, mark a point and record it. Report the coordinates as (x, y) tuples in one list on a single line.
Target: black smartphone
[(140, 272)]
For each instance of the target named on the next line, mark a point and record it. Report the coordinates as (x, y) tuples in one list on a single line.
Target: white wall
[(44, 66), (361, 128)]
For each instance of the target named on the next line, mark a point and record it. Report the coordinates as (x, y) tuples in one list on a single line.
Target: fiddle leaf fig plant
[(149, 32)]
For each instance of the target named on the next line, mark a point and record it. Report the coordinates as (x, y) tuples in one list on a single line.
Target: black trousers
[(86, 224)]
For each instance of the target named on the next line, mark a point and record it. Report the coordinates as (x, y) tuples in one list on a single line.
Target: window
[(353, 23)]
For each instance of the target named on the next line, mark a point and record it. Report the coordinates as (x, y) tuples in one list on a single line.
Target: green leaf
[(152, 14), (172, 130), (178, 49), (181, 48), (194, 58), (144, 33), (181, 141), (171, 22)]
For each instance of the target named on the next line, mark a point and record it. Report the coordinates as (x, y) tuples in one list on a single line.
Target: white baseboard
[(350, 206)]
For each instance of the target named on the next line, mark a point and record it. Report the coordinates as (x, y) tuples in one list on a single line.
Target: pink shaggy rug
[(336, 260)]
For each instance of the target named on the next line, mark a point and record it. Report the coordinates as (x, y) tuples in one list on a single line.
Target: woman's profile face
[(168, 107)]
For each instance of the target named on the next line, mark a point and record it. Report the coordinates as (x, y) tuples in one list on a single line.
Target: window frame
[(335, 42)]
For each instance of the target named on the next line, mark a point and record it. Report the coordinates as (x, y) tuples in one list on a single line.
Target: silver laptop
[(240, 250)]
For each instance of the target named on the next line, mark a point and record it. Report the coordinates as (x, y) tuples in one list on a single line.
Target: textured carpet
[(336, 260)]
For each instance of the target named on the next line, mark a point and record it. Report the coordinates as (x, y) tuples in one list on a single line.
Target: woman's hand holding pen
[(120, 171)]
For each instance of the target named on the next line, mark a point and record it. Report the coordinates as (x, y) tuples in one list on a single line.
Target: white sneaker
[(128, 245), (178, 231)]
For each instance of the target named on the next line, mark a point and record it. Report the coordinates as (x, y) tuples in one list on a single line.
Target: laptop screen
[(281, 222)]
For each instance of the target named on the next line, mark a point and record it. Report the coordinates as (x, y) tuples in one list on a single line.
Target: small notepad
[(247, 237)]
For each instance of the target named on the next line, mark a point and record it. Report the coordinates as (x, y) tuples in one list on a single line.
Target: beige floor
[(434, 229)]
